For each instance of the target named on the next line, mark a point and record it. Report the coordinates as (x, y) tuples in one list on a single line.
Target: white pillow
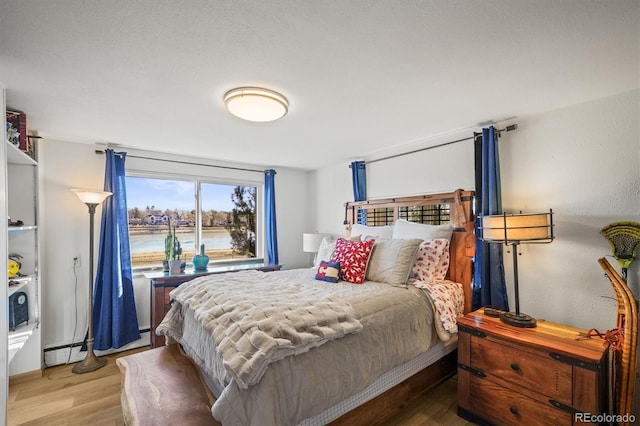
[(371, 231), (405, 230), (325, 251)]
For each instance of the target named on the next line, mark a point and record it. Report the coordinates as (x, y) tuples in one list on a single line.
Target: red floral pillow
[(353, 257), (432, 260)]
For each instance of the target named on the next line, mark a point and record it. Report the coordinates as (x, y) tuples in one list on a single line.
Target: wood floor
[(61, 397)]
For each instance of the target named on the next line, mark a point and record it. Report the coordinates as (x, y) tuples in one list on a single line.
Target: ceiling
[(363, 77)]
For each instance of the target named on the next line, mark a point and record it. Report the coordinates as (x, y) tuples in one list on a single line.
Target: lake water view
[(218, 239)]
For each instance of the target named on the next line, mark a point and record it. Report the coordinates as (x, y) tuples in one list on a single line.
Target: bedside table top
[(559, 338)]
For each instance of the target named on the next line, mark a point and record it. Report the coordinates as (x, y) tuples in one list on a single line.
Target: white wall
[(65, 234), (423, 172), (581, 161), (65, 226)]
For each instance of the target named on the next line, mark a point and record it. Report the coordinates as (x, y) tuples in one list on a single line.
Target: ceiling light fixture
[(256, 104)]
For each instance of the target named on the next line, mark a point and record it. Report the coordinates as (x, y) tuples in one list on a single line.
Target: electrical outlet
[(76, 261)]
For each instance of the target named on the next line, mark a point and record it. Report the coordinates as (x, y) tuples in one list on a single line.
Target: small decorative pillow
[(328, 271), (432, 260), (354, 258)]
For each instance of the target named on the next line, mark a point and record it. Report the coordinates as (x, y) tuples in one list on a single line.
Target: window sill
[(141, 272)]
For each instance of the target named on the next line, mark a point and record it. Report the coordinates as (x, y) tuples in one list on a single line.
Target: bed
[(293, 347)]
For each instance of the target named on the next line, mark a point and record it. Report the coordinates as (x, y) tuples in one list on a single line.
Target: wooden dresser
[(162, 283), (528, 376)]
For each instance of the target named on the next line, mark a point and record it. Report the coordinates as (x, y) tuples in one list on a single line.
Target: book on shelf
[(17, 131)]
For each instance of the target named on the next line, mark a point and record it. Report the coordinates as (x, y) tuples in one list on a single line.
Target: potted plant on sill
[(172, 250)]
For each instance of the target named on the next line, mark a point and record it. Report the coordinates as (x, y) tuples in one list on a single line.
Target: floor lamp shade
[(515, 229), (88, 196), (92, 199)]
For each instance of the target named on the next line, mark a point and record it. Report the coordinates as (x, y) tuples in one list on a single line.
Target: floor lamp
[(516, 229), (92, 199)]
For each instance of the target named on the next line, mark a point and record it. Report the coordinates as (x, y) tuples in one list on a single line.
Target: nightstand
[(528, 376)]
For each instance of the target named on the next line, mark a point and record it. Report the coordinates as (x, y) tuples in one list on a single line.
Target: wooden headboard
[(433, 209)]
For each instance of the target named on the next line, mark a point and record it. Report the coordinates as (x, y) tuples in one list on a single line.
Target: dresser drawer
[(532, 371), (506, 407)]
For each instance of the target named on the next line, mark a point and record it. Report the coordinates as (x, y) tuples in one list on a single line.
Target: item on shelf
[(16, 223), (14, 264), (18, 309), (13, 136), (15, 281), (13, 268), (18, 120)]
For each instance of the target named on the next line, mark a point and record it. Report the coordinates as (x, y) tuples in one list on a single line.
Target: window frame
[(198, 180)]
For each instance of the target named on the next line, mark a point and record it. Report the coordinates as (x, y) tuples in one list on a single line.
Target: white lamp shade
[(89, 196), (521, 228), (256, 104), (311, 242)]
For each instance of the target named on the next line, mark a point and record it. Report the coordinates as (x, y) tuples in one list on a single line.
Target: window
[(222, 216), (435, 214)]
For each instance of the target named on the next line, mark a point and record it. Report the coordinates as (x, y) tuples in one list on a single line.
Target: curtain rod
[(100, 152), (508, 128)]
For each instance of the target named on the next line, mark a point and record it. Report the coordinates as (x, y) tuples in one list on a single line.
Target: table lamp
[(311, 243), (516, 229)]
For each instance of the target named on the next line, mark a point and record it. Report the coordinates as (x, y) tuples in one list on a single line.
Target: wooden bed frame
[(163, 386), (453, 207), (462, 250)]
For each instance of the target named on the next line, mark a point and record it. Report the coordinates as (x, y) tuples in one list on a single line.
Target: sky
[(176, 194)]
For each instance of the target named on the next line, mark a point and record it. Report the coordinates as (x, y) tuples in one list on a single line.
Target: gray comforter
[(255, 319), (373, 327)]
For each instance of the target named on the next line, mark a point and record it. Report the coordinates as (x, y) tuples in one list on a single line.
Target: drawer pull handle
[(471, 370), (515, 367), (513, 410)]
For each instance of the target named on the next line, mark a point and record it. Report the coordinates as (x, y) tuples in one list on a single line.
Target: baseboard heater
[(63, 354)]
